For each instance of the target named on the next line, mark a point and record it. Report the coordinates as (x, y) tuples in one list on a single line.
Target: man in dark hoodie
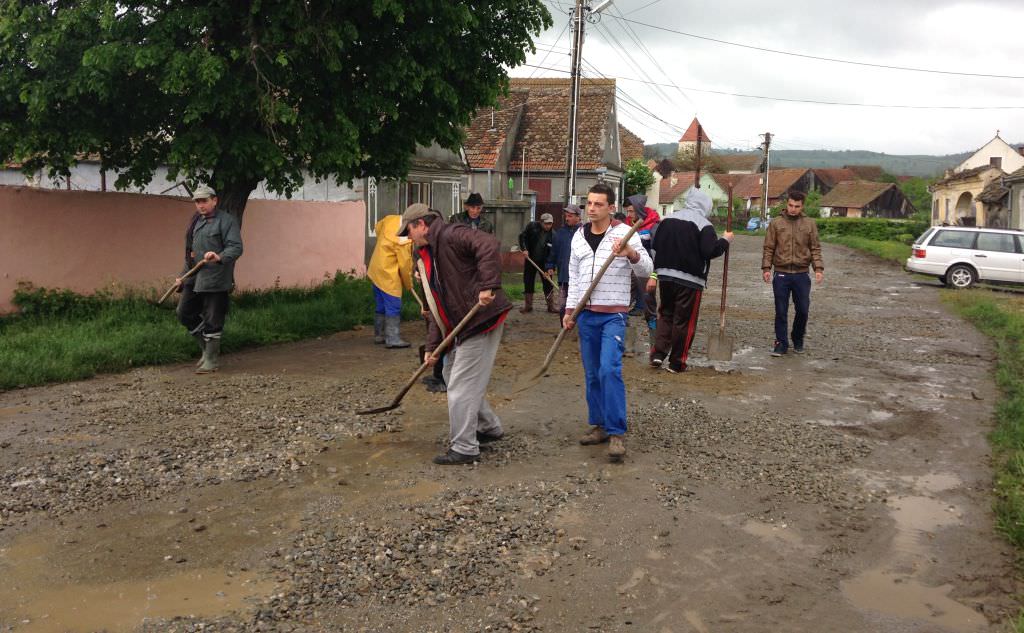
[(684, 246), (558, 257)]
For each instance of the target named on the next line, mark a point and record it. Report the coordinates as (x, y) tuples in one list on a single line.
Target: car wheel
[(961, 276)]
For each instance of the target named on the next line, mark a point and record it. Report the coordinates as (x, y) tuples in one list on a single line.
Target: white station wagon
[(961, 256)]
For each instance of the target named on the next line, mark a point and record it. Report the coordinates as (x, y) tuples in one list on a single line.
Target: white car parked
[(961, 256)]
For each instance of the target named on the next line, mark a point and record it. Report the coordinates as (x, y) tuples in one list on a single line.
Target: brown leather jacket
[(461, 261), (791, 245)]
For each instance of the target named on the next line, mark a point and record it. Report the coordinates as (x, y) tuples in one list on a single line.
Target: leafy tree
[(638, 177), (236, 93), (916, 190)]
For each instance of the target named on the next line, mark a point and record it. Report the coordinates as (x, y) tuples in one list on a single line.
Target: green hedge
[(878, 229)]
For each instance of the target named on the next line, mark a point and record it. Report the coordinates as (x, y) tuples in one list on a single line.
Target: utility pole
[(700, 141), (767, 170), (581, 13)]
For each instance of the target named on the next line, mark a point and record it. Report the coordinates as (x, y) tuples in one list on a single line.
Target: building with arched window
[(973, 193)]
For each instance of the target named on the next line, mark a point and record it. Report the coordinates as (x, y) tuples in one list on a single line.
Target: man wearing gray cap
[(463, 268), (558, 258), (535, 242), (213, 236)]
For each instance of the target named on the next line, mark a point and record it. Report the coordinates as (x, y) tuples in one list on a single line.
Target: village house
[(1015, 199), (750, 188), (521, 147), (865, 199), (973, 193)]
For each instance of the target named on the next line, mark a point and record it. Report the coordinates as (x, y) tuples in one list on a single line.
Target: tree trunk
[(233, 196)]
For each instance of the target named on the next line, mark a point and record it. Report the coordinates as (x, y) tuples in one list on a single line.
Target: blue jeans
[(798, 285), (602, 341), (388, 305)]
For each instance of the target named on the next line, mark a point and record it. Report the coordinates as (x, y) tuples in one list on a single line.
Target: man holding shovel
[(535, 243), (463, 269), (214, 237), (684, 246), (602, 320)]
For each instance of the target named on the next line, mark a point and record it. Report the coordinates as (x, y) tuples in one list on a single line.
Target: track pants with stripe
[(677, 322)]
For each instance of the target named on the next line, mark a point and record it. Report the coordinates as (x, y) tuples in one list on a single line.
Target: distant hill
[(897, 165)]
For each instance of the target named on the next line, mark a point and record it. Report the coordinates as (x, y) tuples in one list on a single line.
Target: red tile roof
[(632, 146), (484, 142), (739, 162), (832, 177), (855, 193), (544, 127), (779, 182), (674, 186), (866, 172), (725, 180), (690, 135)]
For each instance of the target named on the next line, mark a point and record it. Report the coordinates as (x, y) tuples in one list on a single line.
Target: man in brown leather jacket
[(463, 267), (791, 247)]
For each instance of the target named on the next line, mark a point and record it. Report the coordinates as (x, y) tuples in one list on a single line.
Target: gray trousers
[(467, 370)]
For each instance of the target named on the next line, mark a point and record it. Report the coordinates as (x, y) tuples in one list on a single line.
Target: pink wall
[(83, 240)]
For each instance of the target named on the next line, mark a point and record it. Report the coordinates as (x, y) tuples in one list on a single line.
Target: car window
[(999, 242), (924, 236), (954, 239)]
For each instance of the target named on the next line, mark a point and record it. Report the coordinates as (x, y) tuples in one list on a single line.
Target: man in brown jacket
[(791, 247), (463, 267)]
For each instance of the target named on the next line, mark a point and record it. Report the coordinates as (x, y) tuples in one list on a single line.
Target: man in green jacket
[(791, 248), (214, 237), (473, 214)]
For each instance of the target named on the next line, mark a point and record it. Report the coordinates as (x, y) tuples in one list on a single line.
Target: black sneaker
[(486, 438), (798, 348), (657, 358), (676, 368), (436, 386), (779, 349), (451, 458)]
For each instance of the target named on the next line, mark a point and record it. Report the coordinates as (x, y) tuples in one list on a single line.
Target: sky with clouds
[(981, 37)]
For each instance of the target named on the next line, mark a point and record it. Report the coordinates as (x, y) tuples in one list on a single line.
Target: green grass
[(889, 250), (1001, 317), (61, 336)]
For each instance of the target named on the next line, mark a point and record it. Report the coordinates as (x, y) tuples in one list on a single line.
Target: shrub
[(878, 229)]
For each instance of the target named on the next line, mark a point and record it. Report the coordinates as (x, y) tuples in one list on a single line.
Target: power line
[(643, 7), (815, 57), (830, 103), (557, 40)]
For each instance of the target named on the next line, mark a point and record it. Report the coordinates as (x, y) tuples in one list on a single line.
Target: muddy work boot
[(202, 347), (527, 303), (596, 435), (552, 301), (616, 448), (378, 329), (392, 337), (211, 357)]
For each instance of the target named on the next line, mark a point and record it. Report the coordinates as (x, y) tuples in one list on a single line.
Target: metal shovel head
[(719, 346), (393, 405)]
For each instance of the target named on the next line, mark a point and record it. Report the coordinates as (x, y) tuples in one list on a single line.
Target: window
[(998, 242), (996, 161), (419, 192), (954, 239)]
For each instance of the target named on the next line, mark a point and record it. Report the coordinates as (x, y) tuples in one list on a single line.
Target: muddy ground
[(847, 489)]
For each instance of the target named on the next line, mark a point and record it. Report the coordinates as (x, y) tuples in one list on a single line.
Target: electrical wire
[(835, 60)]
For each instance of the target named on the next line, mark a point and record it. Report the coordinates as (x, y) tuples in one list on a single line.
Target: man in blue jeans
[(602, 322), (791, 248)]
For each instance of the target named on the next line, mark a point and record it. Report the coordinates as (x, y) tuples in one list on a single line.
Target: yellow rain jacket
[(391, 263)]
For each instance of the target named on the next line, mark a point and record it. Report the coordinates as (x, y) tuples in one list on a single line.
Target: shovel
[(419, 372), (544, 275), (177, 285), (531, 380), (720, 345)]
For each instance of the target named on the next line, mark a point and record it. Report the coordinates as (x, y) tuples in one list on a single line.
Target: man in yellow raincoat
[(390, 271)]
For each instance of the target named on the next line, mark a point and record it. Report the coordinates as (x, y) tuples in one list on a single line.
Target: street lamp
[(580, 13)]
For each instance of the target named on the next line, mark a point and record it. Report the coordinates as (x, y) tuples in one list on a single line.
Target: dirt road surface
[(845, 489)]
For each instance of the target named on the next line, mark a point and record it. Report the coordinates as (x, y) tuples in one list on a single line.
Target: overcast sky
[(972, 37)]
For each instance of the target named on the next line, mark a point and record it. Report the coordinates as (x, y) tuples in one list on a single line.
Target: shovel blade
[(393, 405), (719, 347)]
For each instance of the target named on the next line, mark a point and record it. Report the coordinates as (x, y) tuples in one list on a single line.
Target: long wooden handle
[(177, 285), (725, 267), (541, 271)]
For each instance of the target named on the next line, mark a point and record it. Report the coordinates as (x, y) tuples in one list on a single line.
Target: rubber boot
[(378, 328), (552, 305), (202, 347), (392, 336), (210, 357), (527, 303)]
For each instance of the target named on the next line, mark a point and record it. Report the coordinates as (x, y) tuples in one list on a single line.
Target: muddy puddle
[(894, 587)]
